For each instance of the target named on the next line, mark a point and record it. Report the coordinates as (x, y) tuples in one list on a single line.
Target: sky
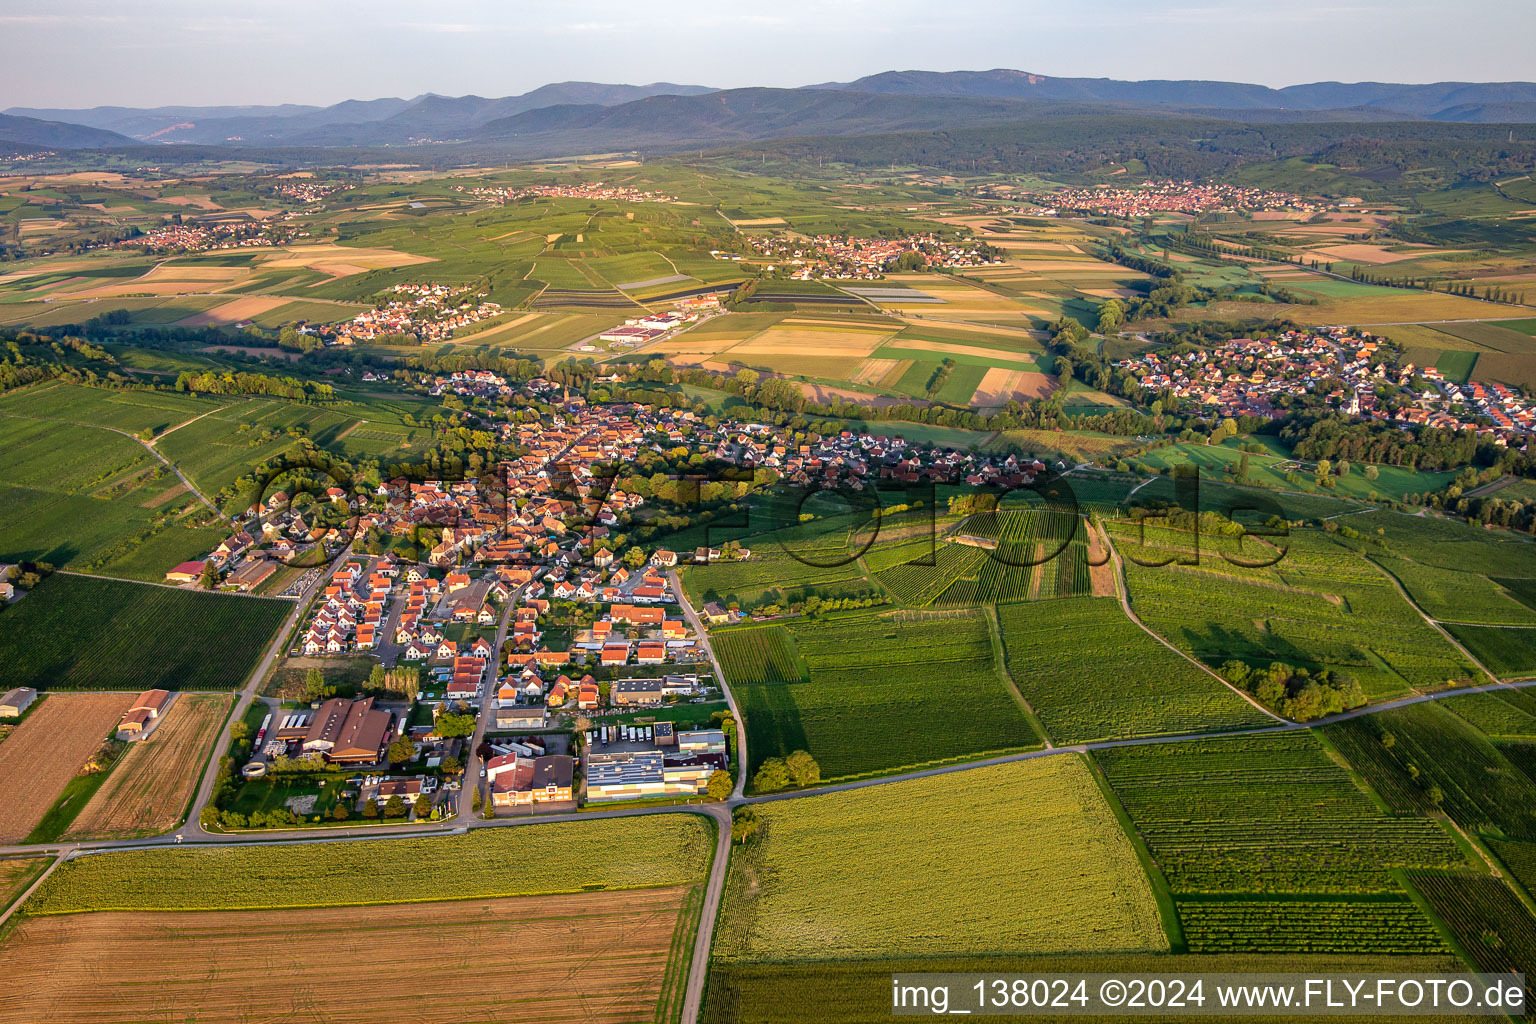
[(83, 53)]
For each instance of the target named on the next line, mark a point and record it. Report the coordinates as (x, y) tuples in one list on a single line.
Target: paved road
[(193, 827), (699, 631), (487, 710), (704, 938)]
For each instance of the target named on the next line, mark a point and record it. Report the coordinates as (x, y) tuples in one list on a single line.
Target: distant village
[(1248, 376), (867, 259), (1153, 197), (430, 312), (588, 190)]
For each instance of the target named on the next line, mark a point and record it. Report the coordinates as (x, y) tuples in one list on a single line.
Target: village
[(1261, 377), (865, 259), (586, 190), (430, 312), (1187, 197)]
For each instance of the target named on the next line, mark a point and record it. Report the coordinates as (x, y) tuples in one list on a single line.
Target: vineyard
[(883, 692), (1423, 758), (1488, 920), (1502, 713), (1271, 814), (631, 853), (80, 632), (1508, 653), (765, 654), (1458, 596), (941, 869), (1056, 651), (1391, 924), (1319, 607), (1010, 555)]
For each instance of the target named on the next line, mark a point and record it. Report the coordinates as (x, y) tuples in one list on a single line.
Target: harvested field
[(147, 792), (1101, 570), (998, 355), (233, 312), (1001, 384), (873, 371), (822, 394), (1360, 252), (599, 956), (47, 750), (314, 255)]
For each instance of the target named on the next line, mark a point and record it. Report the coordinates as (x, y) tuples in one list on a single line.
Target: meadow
[(882, 693), (1056, 651), (84, 633), (637, 853), (1080, 887)]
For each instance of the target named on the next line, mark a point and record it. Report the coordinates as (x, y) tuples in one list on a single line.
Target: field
[(1452, 596), (599, 956), (636, 853), (16, 873), (1318, 606), (1436, 761), (149, 789), (79, 632), (1056, 652), (1489, 922), (1266, 814), (922, 889), (1505, 714), (1508, 653), (1389, 924), (882, 693), (45, 752)]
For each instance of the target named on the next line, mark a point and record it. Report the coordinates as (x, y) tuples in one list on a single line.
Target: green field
[(935, 868), (635, 853), (1426, 759), (1057, 651), (1266, 814), (1453, 596), (83, 633), (1508, 653), (883, 692), (1489, 922)]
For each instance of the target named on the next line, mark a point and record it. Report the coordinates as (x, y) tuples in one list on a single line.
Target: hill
[(31, 131)]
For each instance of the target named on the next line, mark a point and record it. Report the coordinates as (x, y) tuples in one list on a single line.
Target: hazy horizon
[(181, 53)]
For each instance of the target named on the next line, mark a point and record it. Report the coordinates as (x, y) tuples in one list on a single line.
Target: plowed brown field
[(146, 792), (47, 750), (552, 959)]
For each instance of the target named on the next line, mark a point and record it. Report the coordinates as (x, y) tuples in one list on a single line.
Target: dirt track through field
[(47, 750), (146, 792), (582, 957)]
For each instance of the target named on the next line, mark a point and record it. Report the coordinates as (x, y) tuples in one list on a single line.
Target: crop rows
[(1487, 919), (1423, 758), (765, 654), (79, 632), (1307, 925), (627, 853), (1266, 814), (1458, 596), (1056, 651), (885, 692)]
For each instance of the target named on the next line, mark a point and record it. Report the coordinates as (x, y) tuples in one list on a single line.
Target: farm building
[(252, 574), (703, 741), (16, 701), (637, 691), (636, 774), (186, 572), (147, 707), (349, 731), (520, 718), (521, 781)]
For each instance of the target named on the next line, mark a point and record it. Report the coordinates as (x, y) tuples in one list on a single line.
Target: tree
[(401, 750), (208, 816), (451, 725), (634, 558), (772, 776), (475, 799), (423, 805), (452, 765), (394, 807), (371, 809), (1111, 316), (315, 687), (720, 785), (378, 679), (210, 576), (1371, 472), (340, 812), (803, 768), (744, 824)]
